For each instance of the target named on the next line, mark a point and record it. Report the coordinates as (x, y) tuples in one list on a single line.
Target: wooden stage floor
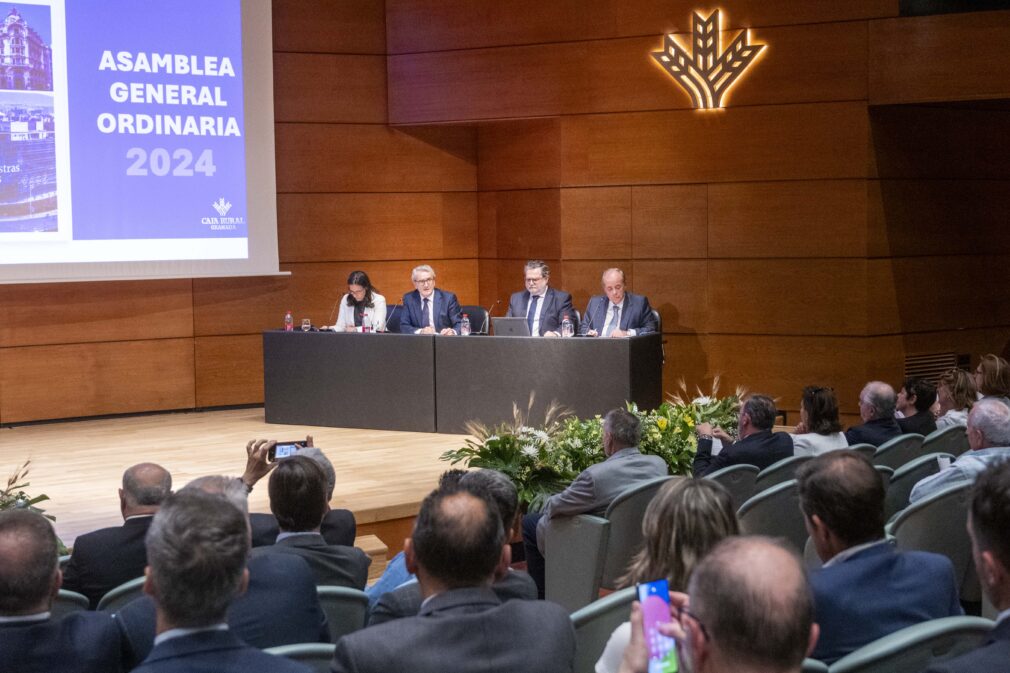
[(382, 476)]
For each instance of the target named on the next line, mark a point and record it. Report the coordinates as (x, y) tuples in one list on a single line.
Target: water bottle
[(464, 325), (567, 327), (289, 322)]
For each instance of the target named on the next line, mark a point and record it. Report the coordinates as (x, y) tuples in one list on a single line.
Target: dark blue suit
[(338, 527), (280, 607), (636, 314), (445, 309), (556, 304), (214, 652), (874, 432), (994, 655), (760, 449), (877, 591), (105, 558), (81, 642)]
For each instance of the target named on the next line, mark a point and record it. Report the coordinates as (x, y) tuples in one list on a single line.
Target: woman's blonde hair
[(961, 387), (682, 523), (995, 376)]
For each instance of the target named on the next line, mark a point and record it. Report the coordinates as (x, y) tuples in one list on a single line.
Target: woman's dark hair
[(361, 278), (822, 410)]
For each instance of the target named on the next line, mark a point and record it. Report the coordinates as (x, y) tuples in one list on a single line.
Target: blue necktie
[(612, 325), (532, 312), (425, 319)]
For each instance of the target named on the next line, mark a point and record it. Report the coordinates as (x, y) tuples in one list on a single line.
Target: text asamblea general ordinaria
[(167, 94)]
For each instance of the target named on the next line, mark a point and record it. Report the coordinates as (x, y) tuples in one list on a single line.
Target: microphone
[(388, 316), (487, 314)]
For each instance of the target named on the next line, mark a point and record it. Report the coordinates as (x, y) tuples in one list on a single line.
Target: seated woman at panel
[(685, 519), (955, 393), (819, 430), (992, 378), (362, 306)]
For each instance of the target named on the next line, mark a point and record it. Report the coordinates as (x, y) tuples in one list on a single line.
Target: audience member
[(989, 439), (989, 528), (280, 606), (104, 559), (405, 601), (196, 549), (297, 490), (616, 312), (915, 401), (684, 521), (876, 407), (30, 640), (595, 488), (955, 393), (757, 444), (748, 609), (457, 549), (866, 589), (338, 525), (819, 429), (428, 309), (543, 307), (992, 378)]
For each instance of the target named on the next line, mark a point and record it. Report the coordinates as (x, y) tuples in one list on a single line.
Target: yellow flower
[(661, 422), (689, 421)]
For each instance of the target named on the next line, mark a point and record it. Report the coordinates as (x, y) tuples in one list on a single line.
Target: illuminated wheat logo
[(707, 74)]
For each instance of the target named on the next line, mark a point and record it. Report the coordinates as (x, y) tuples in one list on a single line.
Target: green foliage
[(13, 497)]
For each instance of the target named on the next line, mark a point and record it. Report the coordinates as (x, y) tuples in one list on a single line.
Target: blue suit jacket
[(555, 305), (105, 558), (446, 311), (761, 449), (217, 652), (877, 591), (81, 642), (636, 314), (874, 432), (994, 655), (280, 607)]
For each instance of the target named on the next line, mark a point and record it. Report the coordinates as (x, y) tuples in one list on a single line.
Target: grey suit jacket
[(598, 485), (464, 631), (405, 600), (331, 564)]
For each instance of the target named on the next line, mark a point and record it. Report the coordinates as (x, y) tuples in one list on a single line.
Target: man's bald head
[(29, 575), (752, 596), (877, 400), (145, 485)]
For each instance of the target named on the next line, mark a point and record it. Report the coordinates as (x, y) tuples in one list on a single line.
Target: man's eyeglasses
[(424, 281)]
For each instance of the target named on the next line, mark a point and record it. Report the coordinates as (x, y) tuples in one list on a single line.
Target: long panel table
[(438, 384)]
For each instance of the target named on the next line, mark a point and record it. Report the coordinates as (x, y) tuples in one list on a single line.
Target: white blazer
[(375, 317)]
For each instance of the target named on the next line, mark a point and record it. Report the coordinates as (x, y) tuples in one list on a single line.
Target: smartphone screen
[(655, 600), (284, 450)]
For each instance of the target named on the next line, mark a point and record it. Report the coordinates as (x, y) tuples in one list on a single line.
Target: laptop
[(510, 327)]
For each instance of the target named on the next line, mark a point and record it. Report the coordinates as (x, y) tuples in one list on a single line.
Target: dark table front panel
[(479, 378), (349, 380)]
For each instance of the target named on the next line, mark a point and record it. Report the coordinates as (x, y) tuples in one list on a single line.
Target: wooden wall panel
[(937, 217), (357, 158), (787, 296), (596, 223), (323, 26), (519, 155), (58, 313), (466, 24), (336, 227), (677, 289), (526, 222), (329, 88), (801, 64), (67, 381), (814, 218), (786, 142), (952, 57), (504, 276), (669, 221), (975, 342), (229, 370)]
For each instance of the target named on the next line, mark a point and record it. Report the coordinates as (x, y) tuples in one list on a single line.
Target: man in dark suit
[(616, 312), (915, 402), (280, 606), (866, 589), (429, 310), (543, 307), (757, 444), (30, 640), (595, 488), (989, 528), (298, 499), (876, 407), (457, 549), (104, 559), (196, 550), (405, 600)]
